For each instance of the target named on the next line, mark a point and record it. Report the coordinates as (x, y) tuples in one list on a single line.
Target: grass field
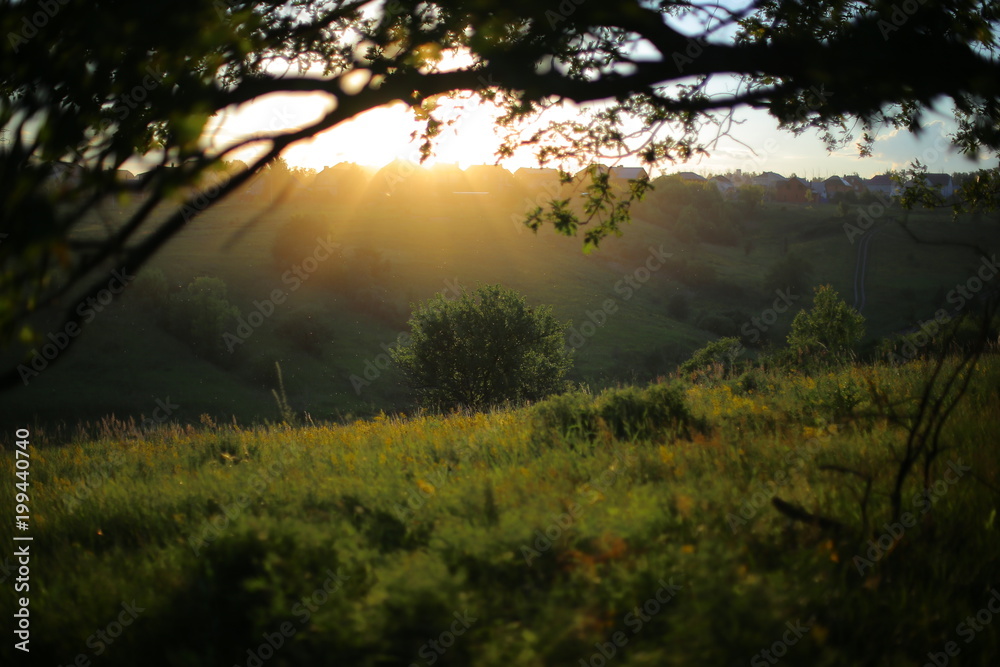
[(129, 362), (482, 539)]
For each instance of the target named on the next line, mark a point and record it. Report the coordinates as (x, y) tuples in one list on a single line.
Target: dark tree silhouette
[(98, 83)]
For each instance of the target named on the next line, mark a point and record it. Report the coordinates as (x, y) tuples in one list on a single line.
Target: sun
[(374, 138)]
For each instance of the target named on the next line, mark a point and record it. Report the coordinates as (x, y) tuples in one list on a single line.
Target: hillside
[(629, 323)]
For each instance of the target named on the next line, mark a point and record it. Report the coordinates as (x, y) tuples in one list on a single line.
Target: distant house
[(768, 180), (724, 185), (399, 177), (489, 178), (836, 185), (882, 184), (818, 190), (856, 182), (942, 182), (535, 178), (691, 176), (65, 176), (792, 190), (448, 178), (343, 179), (618, 178), (625, 174)]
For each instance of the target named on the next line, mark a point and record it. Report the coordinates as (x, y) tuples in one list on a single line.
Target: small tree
[(483, 349), (830, 327), (722, 351)]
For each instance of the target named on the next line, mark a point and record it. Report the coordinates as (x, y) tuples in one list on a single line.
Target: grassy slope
[(122, 368), (220, 533)]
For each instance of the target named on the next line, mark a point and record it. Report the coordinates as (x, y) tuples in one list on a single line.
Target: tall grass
[(368, 538)]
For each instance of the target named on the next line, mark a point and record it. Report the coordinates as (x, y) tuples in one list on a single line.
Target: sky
[(382, 135)]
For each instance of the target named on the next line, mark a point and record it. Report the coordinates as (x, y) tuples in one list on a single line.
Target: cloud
[(933, 147)]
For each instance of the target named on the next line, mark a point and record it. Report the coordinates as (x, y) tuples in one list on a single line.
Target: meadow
[(505, 538), (397, 253)]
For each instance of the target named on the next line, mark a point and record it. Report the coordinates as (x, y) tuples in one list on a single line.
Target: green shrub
[(633, 413), (202, 313), (483, 349), (627, 413), (569, 416), (722, 351), (719, 324), (151, 291), (830, 328), (749, 381), (836, 398)]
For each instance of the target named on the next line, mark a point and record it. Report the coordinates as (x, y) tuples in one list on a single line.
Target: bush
[(569, 416), (719, 324), (830, 327), (722, 351), (150, 291), (643, 414), (750, 381), (202, 313), (627, 413), (836, 398), (482, 350)]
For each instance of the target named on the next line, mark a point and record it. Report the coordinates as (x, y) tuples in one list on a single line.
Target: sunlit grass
[(219, 531)]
